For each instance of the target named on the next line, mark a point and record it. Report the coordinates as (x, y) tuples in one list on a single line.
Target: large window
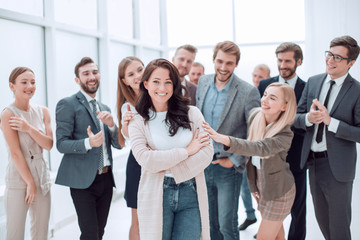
[(258, 27)]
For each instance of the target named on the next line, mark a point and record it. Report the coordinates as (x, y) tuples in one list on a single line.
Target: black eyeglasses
[(337, 58)]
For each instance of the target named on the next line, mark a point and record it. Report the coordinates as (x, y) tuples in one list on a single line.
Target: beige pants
[(16, 211)]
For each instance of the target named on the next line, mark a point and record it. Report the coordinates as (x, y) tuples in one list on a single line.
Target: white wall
[(325, 20)]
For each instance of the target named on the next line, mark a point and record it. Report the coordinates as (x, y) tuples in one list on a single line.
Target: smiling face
[(195, 73), (273, 103), (338, 69), (89, 79), (183, 60), (160, 88), (133, 75), (225, 65), (287, 64), (24, 86)]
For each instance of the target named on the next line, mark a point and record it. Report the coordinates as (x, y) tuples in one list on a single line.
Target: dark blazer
[(341, 146), (78, 167), (242, 98), (276, 174), (191, 92), (294, 156)]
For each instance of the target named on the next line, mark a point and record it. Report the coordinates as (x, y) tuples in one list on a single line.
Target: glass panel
[(120, 18), (150, 21), (201, 22), (23, 47), (69, 49), (269, 21), (149, 55), (81, 13), (32, 7)]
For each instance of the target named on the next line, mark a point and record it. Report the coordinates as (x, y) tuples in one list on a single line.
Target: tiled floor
[(120, 217)]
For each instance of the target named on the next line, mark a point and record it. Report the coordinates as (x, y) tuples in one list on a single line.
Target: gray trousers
[(332, 200), (16, 211)]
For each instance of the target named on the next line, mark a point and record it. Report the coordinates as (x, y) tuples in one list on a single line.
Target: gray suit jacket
[(341, 146), (276, 174), (78, 167), (241, 99)]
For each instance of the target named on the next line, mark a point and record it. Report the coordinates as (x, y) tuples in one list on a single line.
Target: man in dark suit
[(289, 57), (329, 111), (226, 102), (85, 132), (183, 59)]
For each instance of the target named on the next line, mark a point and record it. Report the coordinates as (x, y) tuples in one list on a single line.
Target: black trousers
[(332, 200), (92, 206), (297, 229)]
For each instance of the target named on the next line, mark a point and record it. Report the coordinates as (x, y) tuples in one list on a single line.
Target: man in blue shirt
[(225, 101)]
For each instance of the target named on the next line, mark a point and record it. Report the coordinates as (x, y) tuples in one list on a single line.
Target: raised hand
[(217, 137), (126, 120), (315, 116), (106, 118), (95, 140), (323, 111), (197, 143)]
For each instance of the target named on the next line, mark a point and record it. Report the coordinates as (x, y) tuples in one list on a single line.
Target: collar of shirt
[(227, 86), (88, 98), (339, 81), (291, 82)]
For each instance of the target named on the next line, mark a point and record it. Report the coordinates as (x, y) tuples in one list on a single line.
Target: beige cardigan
[(154, 164)]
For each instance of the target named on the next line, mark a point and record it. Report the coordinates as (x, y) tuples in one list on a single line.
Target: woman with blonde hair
[(130, 72), (27, 131), (269, 138)]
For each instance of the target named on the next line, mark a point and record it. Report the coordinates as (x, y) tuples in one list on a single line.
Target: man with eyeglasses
[(329, 112)]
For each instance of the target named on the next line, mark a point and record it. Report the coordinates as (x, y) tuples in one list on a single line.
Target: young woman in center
[(173, 150), (130, 72), (269, 138)]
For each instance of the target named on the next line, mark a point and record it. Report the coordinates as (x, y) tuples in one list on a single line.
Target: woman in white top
[(173, 150), (130, 72), (27, 132)]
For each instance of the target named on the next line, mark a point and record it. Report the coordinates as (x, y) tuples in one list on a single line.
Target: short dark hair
[(349, 43), (229, 48), (178, 105), (290, 47), (197, 64), (83, 62)]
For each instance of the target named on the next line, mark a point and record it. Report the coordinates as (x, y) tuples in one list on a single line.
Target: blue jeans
[(246, 197), (223, 185), (181, 214)]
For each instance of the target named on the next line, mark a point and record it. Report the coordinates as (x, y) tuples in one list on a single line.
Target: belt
[(315, 155), (104, 170)]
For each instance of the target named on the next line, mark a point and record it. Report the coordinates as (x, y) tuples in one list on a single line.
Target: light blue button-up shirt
[(214, 103)]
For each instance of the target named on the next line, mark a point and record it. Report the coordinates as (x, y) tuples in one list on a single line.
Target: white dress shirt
[(87, 141), (334, 123)]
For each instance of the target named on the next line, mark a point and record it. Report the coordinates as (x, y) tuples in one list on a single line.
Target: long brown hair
[(124, 92), (257, 129), (178, 105)]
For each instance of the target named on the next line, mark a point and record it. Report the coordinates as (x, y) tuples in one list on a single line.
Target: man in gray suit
[(329, 111), (183, 59), (85, 132), (225, 101)]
